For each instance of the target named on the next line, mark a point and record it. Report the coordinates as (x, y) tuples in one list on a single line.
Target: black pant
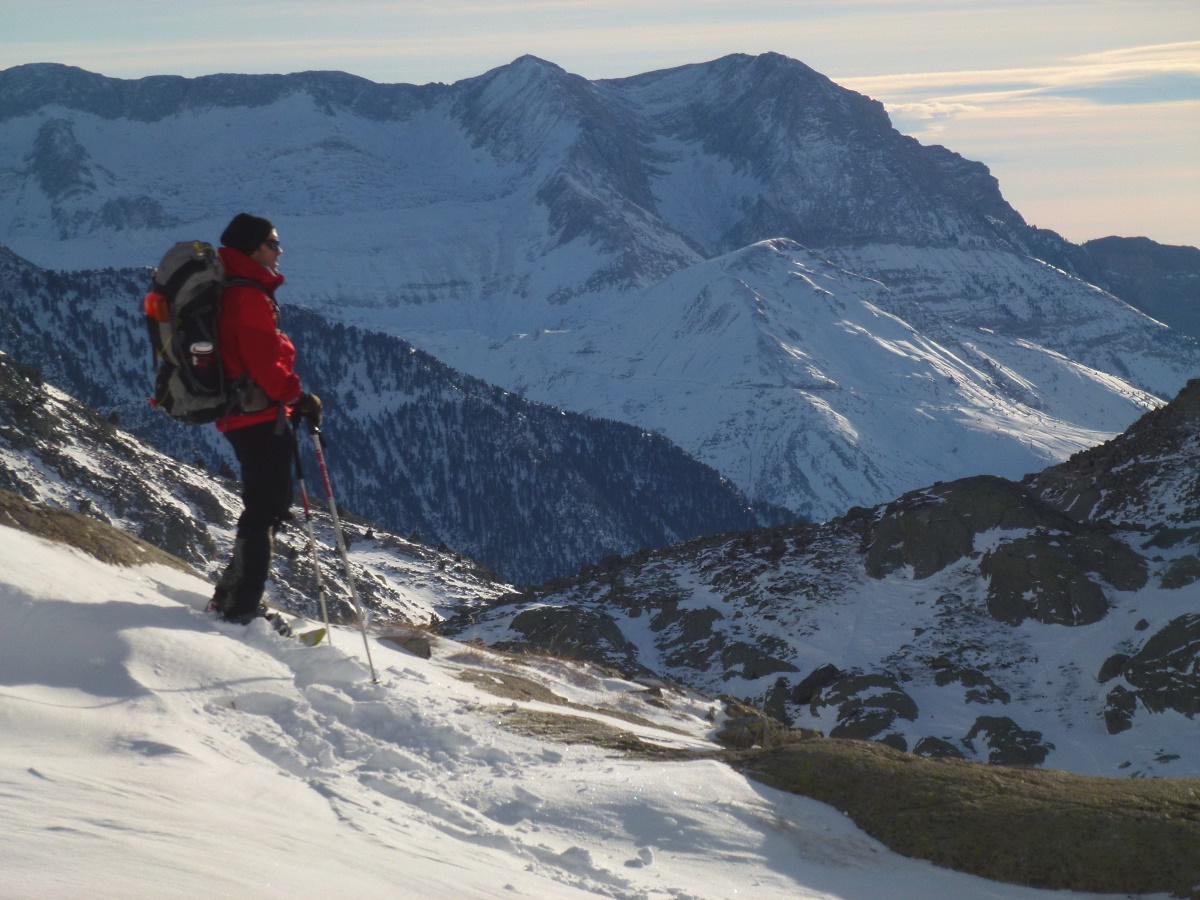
[(265, 454)]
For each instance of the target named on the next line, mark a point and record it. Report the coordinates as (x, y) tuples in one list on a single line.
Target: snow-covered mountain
[(1051, 621), (466, 770), (739, 255), (415, 446), (165, 753)]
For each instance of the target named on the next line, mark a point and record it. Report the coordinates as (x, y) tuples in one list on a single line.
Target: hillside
[(137, 727), (1162, 281), (1046, 622)]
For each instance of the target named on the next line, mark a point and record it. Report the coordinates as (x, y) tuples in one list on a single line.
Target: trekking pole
[(312, 538), (315, 433)]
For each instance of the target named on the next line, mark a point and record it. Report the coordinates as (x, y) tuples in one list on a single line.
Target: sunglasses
[(273, 245)]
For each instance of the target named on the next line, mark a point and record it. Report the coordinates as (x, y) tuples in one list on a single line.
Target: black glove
[(307, 407)]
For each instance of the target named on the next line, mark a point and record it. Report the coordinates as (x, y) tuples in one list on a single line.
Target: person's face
[(268, 252)]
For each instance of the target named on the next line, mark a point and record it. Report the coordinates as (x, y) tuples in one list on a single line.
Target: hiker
[(259, 431)]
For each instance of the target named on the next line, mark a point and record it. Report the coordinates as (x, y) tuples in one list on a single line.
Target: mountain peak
[(517, 109), (520, 74), (531, 62)]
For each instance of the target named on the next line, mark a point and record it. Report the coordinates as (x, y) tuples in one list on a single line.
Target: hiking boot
[(245, 618), (279, 624)]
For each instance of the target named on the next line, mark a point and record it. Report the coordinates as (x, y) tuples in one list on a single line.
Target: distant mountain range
[(739, 255), (1162, 281)]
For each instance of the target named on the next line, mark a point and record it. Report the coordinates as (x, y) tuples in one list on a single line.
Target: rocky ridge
[(1050, 621)]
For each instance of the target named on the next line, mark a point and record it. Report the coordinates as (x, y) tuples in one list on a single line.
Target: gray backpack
[(182, 312)]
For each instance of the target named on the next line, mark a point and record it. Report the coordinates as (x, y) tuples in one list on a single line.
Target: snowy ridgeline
[(740, 256), (161, 753)]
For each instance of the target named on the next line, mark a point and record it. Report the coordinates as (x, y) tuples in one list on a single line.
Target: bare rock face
[(1147, 477), (1165, 672), (933, 528), (1054, 578), (568, 632), (1119, 708), (1182, 572), (1008, 744), (868, 706)]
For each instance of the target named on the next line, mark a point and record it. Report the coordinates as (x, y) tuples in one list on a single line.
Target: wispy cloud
[(1162, 73)]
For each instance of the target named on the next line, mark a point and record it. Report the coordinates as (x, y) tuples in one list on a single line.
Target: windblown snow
[(152, 751)]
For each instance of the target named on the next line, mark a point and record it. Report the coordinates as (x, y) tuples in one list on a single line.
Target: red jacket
[(251, 341)]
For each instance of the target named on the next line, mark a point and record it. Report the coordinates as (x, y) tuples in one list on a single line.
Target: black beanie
[(246, 233)]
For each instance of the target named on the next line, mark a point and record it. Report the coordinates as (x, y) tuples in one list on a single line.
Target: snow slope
[(148, 750), (820, 388)]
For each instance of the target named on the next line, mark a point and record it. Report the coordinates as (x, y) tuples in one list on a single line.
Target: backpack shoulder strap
[(231, 282)]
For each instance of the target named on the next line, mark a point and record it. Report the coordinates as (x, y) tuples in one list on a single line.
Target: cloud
[(1162, 73)]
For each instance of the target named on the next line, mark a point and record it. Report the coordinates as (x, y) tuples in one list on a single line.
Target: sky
[(1087, 111)]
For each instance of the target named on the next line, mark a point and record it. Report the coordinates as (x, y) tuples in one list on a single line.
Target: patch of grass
[(568, 729), (1036, 827), (521, 689), (104, 542)]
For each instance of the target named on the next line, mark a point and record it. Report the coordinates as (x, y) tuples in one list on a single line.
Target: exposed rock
[(936, 748), (936, 527), (418, 643), (980, 687), (1166, 670), (1113, 667), (1008, 743), (814, 682), (1119, 707), (746, 726), (574, 633), (742, 660), (106, 543), (1182, 572), (867, 705), (1148, 475), (1045, 577)]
